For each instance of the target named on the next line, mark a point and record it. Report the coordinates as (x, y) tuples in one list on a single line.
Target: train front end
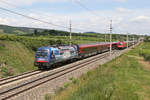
[(42, 57), (121, 45)]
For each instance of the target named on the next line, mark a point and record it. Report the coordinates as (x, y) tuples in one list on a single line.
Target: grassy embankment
[(15, 58), (125, 78)]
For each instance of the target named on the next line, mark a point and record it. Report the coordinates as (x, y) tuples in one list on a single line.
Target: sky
[(128, 16)]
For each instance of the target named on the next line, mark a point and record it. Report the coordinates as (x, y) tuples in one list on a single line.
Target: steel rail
[(18, 77)]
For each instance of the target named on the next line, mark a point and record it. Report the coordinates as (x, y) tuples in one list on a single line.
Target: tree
[(59, 42), (35, 32)]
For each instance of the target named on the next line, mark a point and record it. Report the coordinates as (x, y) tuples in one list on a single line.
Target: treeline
[(31, 43), (147, 39), (45, 32)]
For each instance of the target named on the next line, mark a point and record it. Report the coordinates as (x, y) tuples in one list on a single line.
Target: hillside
[(17, 30), (28, 31), (15, 58), (34, 31)]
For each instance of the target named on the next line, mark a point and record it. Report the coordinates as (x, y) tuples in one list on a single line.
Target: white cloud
[(7, 20), (123, 10), (124, 20), (4, 21), (141, 19)]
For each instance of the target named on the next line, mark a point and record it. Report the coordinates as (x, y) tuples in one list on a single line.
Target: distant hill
[(31, 31), (39, 31), (90, 32), (18, 30)]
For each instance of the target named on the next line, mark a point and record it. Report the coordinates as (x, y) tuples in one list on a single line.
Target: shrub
[(48, 97), (145, 52), (7, 71)]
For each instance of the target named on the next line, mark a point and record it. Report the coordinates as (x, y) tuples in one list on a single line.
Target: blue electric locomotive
[(46, 57)]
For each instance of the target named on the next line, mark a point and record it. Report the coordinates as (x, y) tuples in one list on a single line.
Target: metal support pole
[(110, 37), (105, 38), (70, 34), (127, 41), (133, 41)]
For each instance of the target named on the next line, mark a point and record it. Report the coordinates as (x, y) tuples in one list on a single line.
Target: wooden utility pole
[(70, 33), (110, 37)]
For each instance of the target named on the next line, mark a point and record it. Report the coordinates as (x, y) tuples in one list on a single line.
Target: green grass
[(145, 51), (124, 78), (15, 58)]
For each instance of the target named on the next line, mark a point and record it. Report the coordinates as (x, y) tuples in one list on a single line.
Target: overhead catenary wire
[(14, 5), (36, 19), (28, 10), (89, 10), (29, 17), (85, 7)]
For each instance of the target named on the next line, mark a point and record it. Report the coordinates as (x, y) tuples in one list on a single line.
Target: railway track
[(18, 77), (53, 74)]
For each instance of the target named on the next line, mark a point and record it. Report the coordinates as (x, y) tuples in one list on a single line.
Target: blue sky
[(128, 15), (71, 6)]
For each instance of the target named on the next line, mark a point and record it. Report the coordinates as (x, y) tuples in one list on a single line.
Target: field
[(125, 78)]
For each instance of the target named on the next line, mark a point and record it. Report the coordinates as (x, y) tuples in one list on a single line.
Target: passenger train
[(47, 57)]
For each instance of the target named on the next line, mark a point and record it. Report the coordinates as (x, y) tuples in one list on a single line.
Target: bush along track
[(145, 51), (124, 78)]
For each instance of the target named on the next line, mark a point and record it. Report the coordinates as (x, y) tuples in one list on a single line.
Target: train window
[(56, 52), (120, 43), (52, 55), (61, 53), (42, 53), (90, 49), (72, 52), (104, 47)]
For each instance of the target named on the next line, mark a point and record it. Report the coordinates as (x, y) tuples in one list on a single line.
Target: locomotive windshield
[(42, 53), (120, 43)]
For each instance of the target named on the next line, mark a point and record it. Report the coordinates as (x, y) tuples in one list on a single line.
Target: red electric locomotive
[(121, 45)]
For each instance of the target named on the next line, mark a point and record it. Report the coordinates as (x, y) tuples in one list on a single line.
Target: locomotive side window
[(104, 47), (72, 52), (56, 52), (90, 49), (52, 54), (61, 53)]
